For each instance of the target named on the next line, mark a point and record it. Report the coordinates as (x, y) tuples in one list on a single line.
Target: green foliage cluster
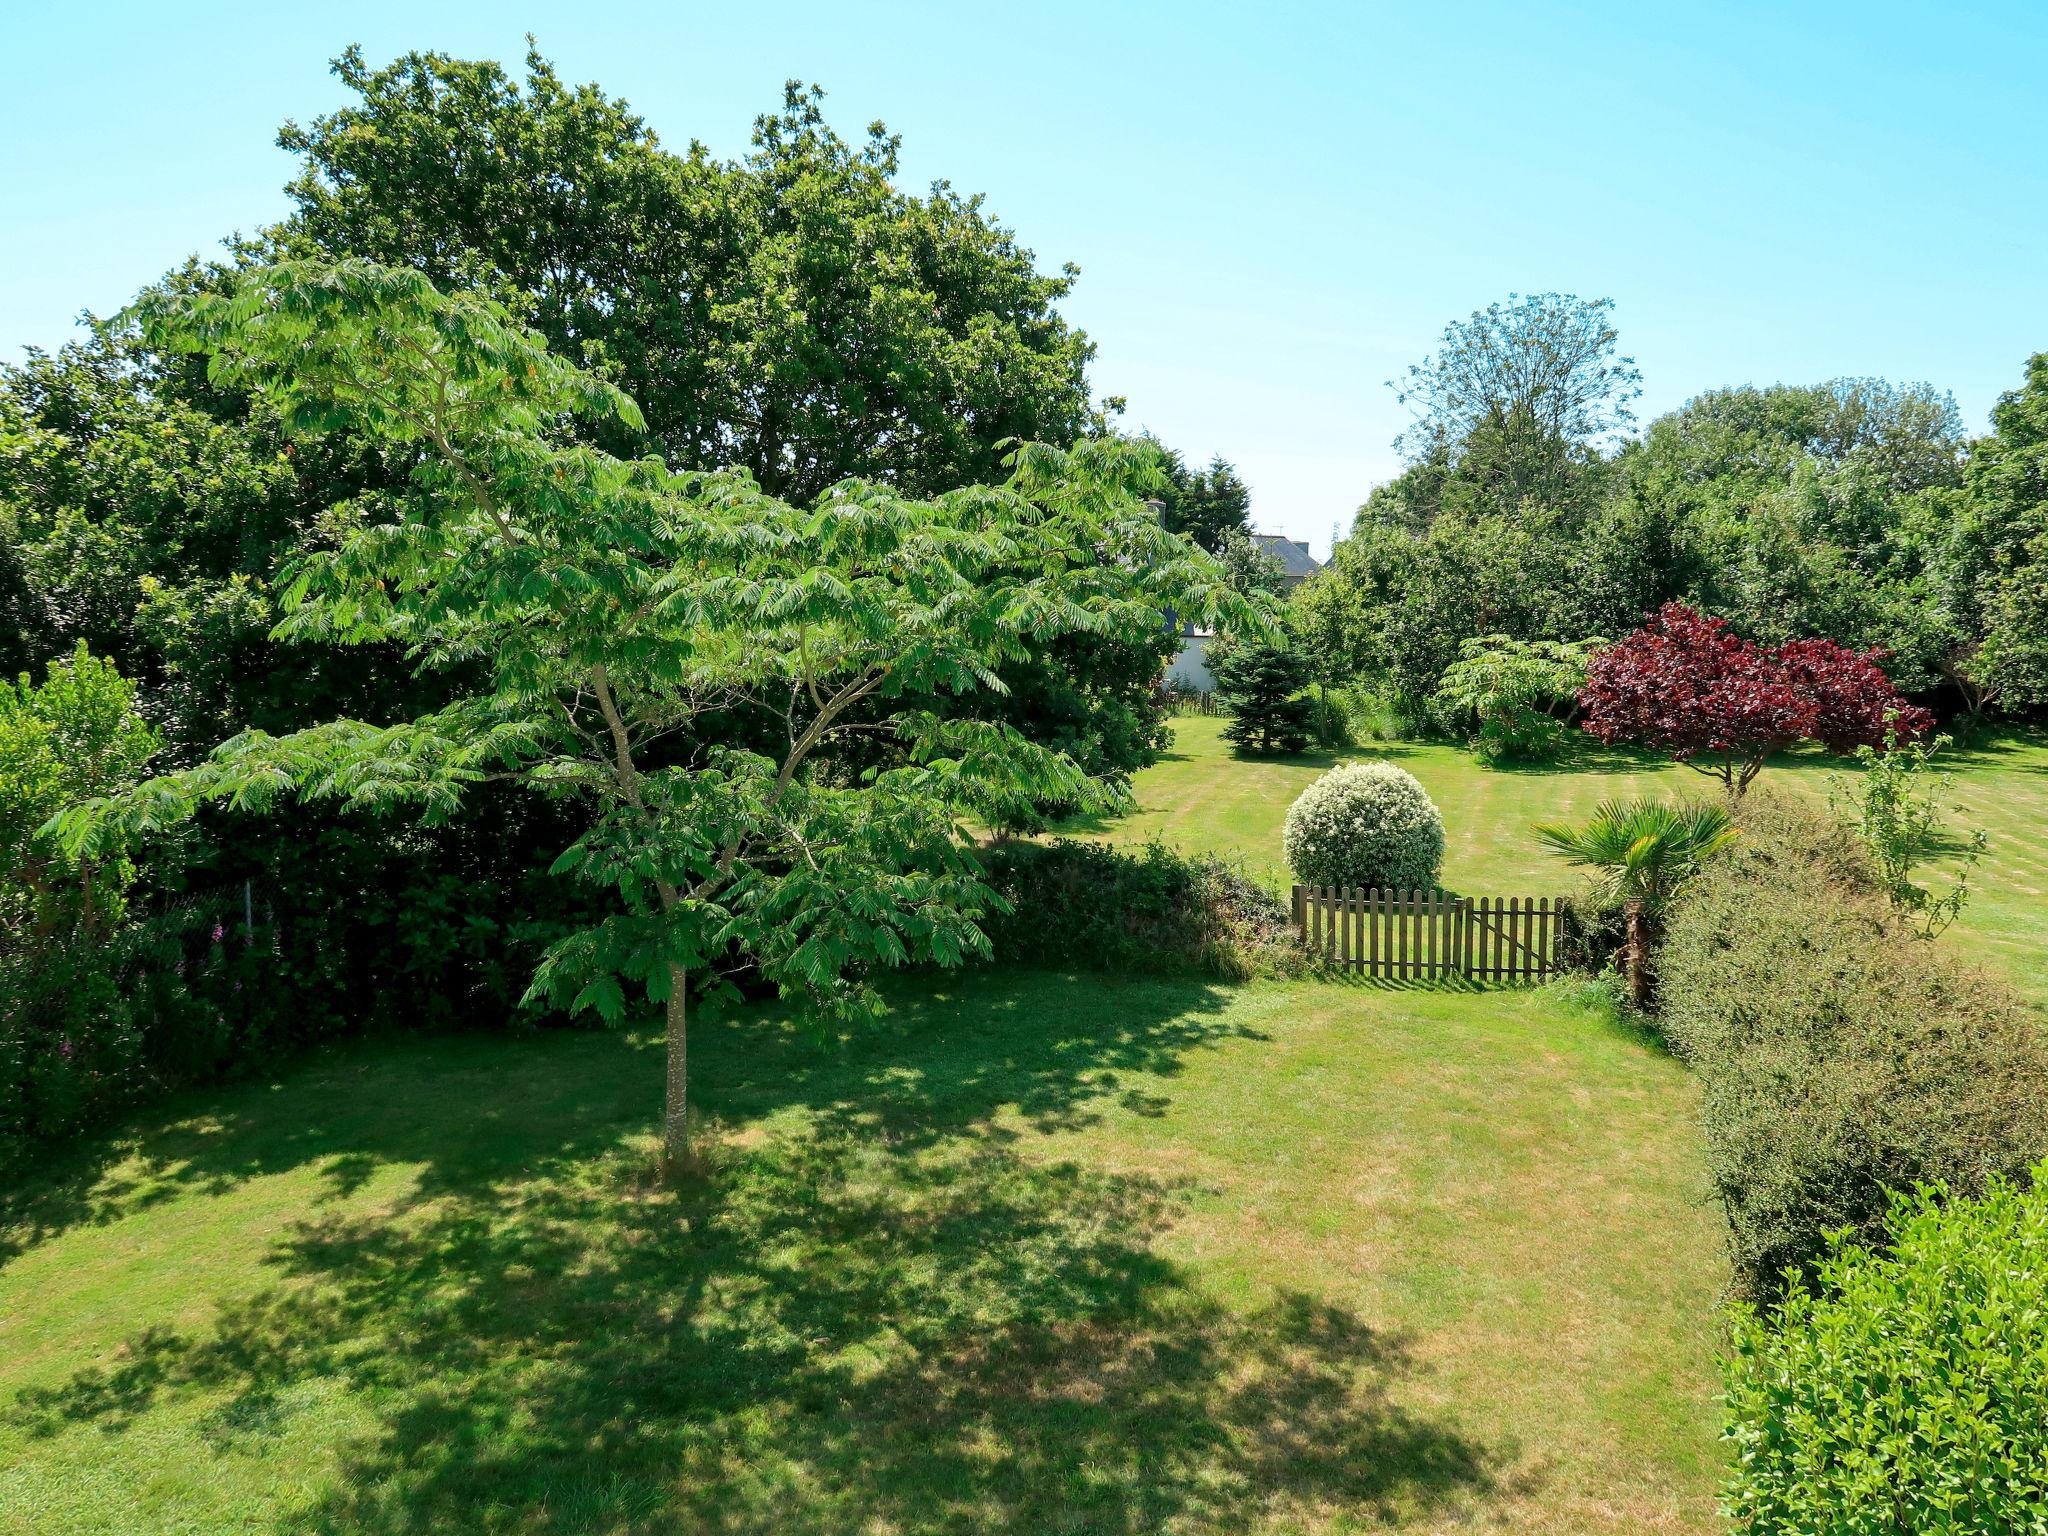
[(1899, 806), (1509, 697), (1839, 1055), (1078, 905), (106, 998), (605, 611), (1210, 506), (74, 737), (1367, 826), (1904, 1389), (1261, 682), (1855, 510), (789, 314)]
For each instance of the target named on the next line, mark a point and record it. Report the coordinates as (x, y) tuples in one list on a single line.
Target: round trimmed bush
[(1368, 825)]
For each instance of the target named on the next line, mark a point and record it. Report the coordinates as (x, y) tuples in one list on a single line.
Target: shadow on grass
[(878, 1312), (1584, 755)]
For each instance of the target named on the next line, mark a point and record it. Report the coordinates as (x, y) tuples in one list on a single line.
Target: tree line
[(1856, 510)]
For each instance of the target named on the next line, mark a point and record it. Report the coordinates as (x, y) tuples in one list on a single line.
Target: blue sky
[(1275, 207)]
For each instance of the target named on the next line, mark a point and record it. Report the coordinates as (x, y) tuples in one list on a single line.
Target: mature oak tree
[(604, 609)]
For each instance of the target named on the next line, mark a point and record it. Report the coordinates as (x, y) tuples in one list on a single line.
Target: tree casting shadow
[(883, 1313)]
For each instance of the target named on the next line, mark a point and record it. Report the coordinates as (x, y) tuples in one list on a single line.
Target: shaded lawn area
[(1203, 800), (1039, 1254)]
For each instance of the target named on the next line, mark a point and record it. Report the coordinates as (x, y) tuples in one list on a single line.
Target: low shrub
[(1330, 725), (1906, 1390), (1366, 825), (1088, 906), (1839, 1054), (86, 1026), (1506, 696), (1375, 716), (1593, 934)]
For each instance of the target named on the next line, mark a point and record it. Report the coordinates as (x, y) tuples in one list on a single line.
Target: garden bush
[(1088, 906), (1505, 696), (1366, 825), (1906, 1390), (1840, 1055)]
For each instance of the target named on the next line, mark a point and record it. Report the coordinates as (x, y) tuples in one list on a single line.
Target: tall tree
[(1989, 567), (790, 312), (1518, 396), (608, 609), (1206, 504)]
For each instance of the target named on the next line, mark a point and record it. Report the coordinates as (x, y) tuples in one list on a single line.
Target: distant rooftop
[(1296, 563)]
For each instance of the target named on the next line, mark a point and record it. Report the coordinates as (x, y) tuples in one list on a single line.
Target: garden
[(602, 939)]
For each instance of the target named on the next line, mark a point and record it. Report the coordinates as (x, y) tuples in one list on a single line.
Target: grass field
[(1202, 800), (1041, 1254)]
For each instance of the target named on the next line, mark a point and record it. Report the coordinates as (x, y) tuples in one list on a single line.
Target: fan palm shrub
[(1641, 851)]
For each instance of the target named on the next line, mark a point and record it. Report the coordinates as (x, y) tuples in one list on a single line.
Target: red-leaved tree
[(1688, 685)]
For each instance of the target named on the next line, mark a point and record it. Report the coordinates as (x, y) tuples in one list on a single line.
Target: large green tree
[(1989, 562), (1205, 504), (791, 312), (1518, 398), (606, 609)]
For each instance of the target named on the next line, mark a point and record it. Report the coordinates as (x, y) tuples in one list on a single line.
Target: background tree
[(1989, 557), (1687, 685), (609, 608), (1205, 504), (790, 312), (1519, 395), (71, 738), (1261, 682)]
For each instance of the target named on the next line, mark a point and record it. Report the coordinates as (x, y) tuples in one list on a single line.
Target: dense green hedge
[(1088, 906), (405, 933), (1840, 1055), (1907, 1390)]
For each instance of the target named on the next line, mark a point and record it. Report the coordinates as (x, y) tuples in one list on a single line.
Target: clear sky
[(1275, 207)]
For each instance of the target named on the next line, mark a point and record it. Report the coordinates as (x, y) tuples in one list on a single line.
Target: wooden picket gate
[(1422, 935)]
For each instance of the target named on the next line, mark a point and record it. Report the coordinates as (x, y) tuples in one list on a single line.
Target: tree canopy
[(601, 610), (791, 312), (1518, 393)]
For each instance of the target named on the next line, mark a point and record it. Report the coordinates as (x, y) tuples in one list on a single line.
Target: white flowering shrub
[(1367, 825)]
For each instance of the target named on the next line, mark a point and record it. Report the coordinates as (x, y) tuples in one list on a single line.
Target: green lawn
[(1040, 1254), (1203, 800)]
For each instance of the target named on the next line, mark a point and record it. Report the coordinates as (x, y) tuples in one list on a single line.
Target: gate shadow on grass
[(880, 1312)]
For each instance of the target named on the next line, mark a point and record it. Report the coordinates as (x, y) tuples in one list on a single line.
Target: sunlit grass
[(1038, 1254), (1201, 799)]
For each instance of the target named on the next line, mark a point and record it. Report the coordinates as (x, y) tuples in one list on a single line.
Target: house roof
[(1295, 560)]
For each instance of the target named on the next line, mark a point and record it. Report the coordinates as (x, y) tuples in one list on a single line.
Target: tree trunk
[(1638, 957), (675, 1124)]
